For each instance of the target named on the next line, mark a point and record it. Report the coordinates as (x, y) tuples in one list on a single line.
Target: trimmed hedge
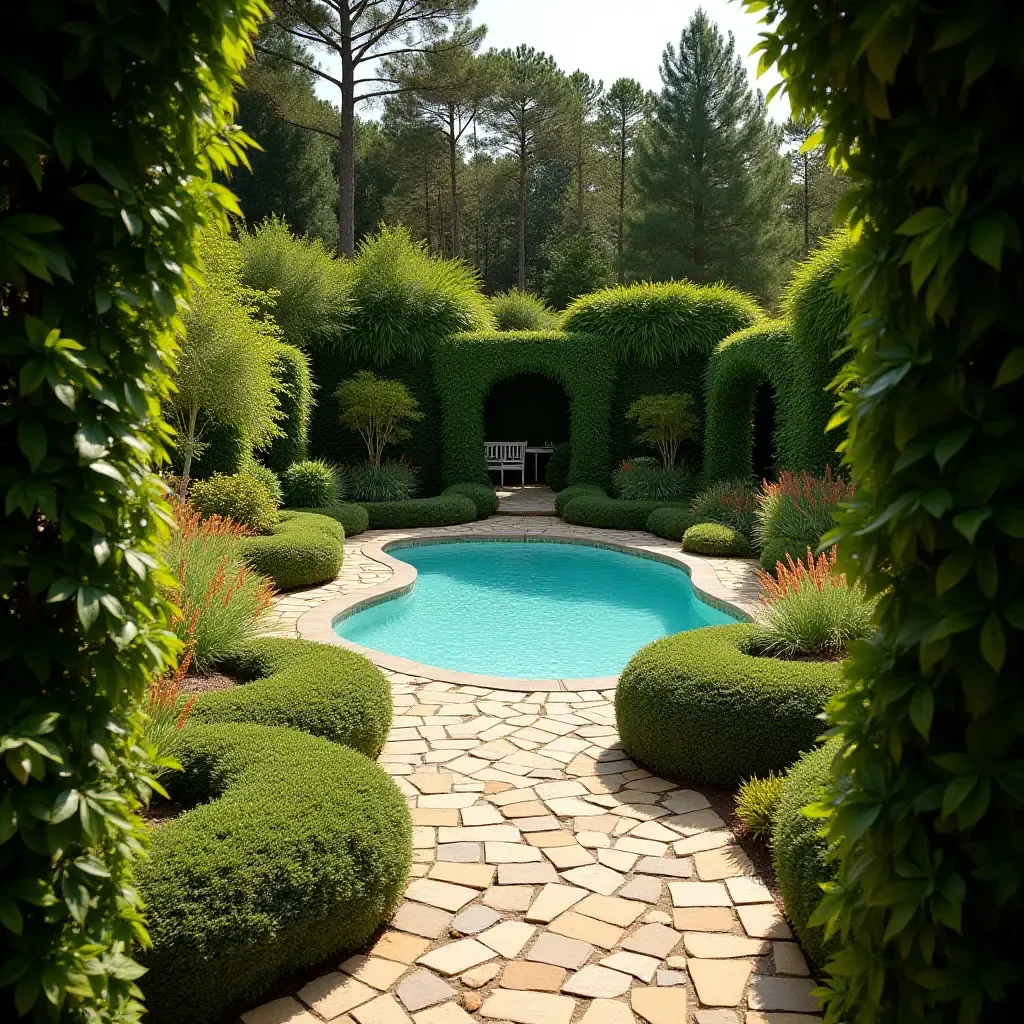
[(482, 495), (819, 316), (306, 548), (467, 366), (564, 496), (716, 540), (798, 850), (448, 510), (739, 365), (556, 472), (775, 551), (602, 512), (322, 690), (670, 523), (700, 706), (295, 400), (353, 518), (648, 323), (299, 849)]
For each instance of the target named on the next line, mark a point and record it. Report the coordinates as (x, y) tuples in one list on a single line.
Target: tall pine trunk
[(347, 141), (522, 210), (453, 164), (622, 198)]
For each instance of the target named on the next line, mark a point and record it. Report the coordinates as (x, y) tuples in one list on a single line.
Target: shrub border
[(318, 623)]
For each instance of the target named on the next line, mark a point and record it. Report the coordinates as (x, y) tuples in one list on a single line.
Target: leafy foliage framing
[(738, 367), (468, 365), (926, 812), (114, 118)]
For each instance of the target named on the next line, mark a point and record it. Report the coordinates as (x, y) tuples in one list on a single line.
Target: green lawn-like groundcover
[(700, 705), (297, 846)]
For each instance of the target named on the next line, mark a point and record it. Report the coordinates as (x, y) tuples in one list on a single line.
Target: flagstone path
[(554, 881)]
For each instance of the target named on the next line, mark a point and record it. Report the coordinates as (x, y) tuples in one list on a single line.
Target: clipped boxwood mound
[(670, 523), (299, 849), (482, 495), (446, 510), (716, 540), (351, 517), (606, 513), (798, 850), (305, 549), (701, 706), (564, 496), (325, 691)]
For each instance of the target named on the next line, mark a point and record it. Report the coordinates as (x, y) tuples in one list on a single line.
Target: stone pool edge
[(317, 624)]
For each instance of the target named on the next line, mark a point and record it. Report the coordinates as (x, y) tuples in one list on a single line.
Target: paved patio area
[(531, 500), (554, 880)]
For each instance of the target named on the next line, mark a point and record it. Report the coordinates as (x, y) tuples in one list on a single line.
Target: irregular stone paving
[(533, 499), (554, 881), (736, 576)]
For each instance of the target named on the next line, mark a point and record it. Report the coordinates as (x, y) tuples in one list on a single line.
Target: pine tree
[(710, 179), (584, 99), (815, 187)]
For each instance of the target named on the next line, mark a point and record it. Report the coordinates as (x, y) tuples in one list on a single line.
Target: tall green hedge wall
[(468, 365), (737, 368), (291, 368)]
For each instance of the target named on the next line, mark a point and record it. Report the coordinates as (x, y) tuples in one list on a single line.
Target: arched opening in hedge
[(528, 407), (749, 407), (469, 367)]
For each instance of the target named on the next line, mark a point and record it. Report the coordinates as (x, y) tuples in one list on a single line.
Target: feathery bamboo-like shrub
[(520, 311)]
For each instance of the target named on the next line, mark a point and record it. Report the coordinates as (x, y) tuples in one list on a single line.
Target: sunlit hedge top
[(648, 323), (405, 301), (817, 311)]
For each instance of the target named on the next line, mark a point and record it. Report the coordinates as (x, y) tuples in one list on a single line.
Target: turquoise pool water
[(530, 610)]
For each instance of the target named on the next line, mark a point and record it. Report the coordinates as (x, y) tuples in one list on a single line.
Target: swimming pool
[(530, 610)]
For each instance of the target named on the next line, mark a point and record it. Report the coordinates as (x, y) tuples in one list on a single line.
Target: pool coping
[(318, 623)]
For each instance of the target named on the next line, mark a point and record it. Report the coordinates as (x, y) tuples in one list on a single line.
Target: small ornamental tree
[(920, 105), (377, 410), (113, 119), (665, 422)]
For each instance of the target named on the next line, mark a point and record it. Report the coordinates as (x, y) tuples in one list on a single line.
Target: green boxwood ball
[(715, 540), (670, 523), (304, 550), (702, 706), (482, 495)]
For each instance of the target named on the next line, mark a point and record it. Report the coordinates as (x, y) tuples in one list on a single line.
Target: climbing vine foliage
[(926, 812), (114, 114)]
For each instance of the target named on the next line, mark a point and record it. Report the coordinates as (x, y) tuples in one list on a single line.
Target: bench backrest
[(508, 453)]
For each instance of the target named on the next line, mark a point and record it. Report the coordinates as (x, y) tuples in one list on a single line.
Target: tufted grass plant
[(756, 802), (311, 483), (731, 502), (222, 601), (395, 480), (800, 508), (310, 289), (810, 609), (520, 311), (647, 323), (405, 300), (644, 479)]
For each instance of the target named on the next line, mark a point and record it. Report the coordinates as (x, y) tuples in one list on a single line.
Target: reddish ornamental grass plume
[(791, 575)]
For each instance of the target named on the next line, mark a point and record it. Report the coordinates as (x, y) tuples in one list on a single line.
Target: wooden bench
[(506, 455)]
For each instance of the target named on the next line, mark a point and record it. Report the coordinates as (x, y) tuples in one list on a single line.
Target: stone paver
[(554, 879)]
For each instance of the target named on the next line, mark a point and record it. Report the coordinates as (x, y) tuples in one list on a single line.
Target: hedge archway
[(467, 366), (739, 367)]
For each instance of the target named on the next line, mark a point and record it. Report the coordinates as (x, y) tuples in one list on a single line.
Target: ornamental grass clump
[(756, 802), (166, 717), (800, 508), (394, 480), (730, 502), (643, 479), (222, 601), (810, 609), (520, 311)]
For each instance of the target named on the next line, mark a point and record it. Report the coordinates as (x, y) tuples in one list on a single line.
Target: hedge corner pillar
[(467, 366)]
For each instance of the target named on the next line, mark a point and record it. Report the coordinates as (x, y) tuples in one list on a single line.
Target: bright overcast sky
[(612, 39)]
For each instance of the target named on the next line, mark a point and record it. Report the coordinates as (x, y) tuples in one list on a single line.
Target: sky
[(612, 39)]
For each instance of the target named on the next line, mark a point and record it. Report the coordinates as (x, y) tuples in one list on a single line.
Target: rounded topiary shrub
[(716, 540), (775, 551), (703, 706), (567, 494), (325, 691), (446, 510), (482, 495), (556, 472), (239, 497), (520, 311), (798, 850), (295, 851), (268, 478), (352, 518), (604, 513), (670, 523), (305, 549), (311, 483)]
